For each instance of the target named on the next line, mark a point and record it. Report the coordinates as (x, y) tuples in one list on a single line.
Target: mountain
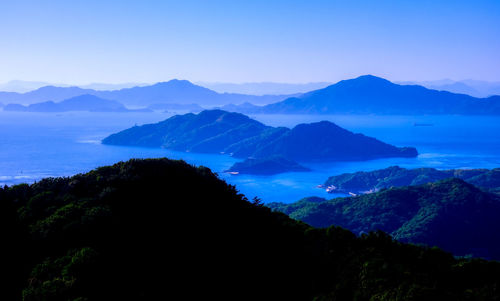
[(476, 88), (264, 88), (21, 86), (79, 103), (450, 214), (43, 94), (217, 131), (183, 92), (174, 91), (266, 166), (161, 230), (373, 95), (395, 176)]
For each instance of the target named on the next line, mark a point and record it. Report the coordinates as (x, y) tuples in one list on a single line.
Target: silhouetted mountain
[(164, 230), (362, 182), (373, 95), (266, 166), (21, 86), (47, 93), (450, 214), (217, 131), (174, 91), (88, 103)]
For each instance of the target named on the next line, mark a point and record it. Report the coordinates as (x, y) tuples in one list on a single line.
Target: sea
[(39, 145)]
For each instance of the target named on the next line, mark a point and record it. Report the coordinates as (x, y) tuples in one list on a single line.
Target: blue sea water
[(38, 145)]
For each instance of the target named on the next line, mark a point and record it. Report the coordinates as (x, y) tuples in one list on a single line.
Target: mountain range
[(174, 91), (264, 88), (363, 95), (84, 102), (217, 131), (21, 86), (476, 88), (373, 95)]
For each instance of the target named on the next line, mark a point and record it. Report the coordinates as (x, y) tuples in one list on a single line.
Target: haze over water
[(38, 145)]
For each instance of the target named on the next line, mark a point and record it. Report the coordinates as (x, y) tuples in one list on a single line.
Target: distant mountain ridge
[(374, 95), (450, 214), (84, 102), (217, 131), (264, 88), (173, 91), (22, 86), (476, 88)]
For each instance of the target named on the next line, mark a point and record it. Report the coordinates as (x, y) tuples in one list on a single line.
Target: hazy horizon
[(262, 41)]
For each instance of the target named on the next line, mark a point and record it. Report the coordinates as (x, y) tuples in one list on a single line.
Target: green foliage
[(395, 176), (451, 214), (157, 229), (217, 131)]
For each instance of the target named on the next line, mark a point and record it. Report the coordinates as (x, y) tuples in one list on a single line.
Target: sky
[(80, 42)]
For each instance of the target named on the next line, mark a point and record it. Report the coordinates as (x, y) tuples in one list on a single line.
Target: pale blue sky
[(262, 40)]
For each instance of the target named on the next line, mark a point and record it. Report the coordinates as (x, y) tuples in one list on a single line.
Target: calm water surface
[(38, 145)]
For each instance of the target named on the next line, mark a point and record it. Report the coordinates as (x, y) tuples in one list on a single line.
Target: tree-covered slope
[(161, 229), (217, 131), (395, 176), (451, 214)]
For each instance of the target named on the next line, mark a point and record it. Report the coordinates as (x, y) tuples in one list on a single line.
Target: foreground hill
[(138, 230), (217, 131), (450, 214), (174, 91), (395, 176), (86, 102), (373, 95)]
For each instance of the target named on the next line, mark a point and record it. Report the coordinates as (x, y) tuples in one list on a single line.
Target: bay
[(38, 145)]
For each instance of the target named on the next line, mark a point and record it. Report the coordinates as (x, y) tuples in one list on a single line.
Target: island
[(218, 131), (395, 176), (266, 166)]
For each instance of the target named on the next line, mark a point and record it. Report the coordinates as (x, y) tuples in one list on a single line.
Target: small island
[(266, 166)]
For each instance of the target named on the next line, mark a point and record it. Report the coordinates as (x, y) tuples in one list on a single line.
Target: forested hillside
[(451, 214), (159, 229)]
